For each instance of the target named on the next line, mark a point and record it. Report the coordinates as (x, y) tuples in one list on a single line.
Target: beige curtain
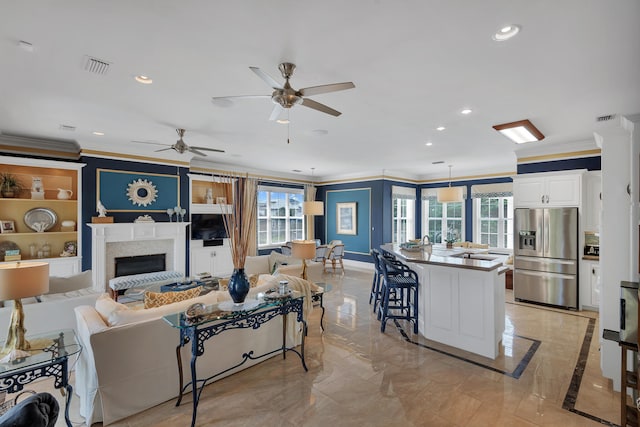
[(252, 249), (310, 196)]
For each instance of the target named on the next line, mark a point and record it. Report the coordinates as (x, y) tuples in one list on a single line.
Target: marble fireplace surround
[(109, 241)]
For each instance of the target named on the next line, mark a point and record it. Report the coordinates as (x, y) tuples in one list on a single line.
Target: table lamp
[(20, 280), (304, 250)]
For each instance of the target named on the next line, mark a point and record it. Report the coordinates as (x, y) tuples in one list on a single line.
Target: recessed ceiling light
[(283, 121), (98, 133), (145, 80), (520, 132), (429, 144), (440, 128), (506, 32), (466, 111)]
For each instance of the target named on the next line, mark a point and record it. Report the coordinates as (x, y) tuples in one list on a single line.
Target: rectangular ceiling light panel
[(520, 132)]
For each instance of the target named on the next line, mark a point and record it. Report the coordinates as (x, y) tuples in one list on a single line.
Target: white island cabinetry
[(460, 300)]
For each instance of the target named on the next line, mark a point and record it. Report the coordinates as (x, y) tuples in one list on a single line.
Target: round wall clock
[(142, 192)]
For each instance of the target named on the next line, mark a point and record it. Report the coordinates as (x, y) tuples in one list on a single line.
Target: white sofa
[(128, 363), (277, 263), (54, 310)]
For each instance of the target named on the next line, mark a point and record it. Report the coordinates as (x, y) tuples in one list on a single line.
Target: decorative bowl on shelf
[(40, 219)]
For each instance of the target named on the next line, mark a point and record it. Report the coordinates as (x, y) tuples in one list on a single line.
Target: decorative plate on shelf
[(40, 219), (7, 245)]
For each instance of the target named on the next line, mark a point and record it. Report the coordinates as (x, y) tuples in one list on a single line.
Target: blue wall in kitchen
[(589, 163)]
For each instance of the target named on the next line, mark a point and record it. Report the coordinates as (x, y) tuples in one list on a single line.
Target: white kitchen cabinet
[(212, 259), (548, 190), (590, 285), (592, 205)]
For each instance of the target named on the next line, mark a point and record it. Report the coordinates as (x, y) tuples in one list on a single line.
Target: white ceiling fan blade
[(277, 109), (207, 149), (227, 101), (320, 107), (334, 87), (164, 149), (149, 142), (266, 77)]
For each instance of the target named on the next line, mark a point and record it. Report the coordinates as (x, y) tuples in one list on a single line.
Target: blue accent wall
[(89, 201), (589, 163), (361, 241)]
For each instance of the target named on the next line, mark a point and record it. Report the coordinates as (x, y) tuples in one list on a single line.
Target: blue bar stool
[(399, 293), (376, 285)]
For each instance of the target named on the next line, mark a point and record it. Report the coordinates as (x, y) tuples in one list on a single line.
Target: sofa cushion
[(70, 294), (276, 259), (106, 306), (156, 299), (58, 285), (257, 264)]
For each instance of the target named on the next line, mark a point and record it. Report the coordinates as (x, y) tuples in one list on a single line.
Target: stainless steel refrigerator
[(546, 256)]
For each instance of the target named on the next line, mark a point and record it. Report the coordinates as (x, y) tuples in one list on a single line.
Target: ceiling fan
[(284, 96), (180, 146)]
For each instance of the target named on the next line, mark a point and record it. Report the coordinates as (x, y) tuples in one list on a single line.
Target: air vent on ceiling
[(68, 128), (95, 65), (605, 118), (439, 162)]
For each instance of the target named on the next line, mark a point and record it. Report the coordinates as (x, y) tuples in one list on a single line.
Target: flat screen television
[(207, 227)]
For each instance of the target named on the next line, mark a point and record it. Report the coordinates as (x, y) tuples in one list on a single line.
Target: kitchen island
[(460, 296)]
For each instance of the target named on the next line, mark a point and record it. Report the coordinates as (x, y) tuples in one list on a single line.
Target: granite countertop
[(456, 257)]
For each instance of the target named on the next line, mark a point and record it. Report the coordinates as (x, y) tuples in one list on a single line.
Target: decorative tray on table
[(411, 247), (273, 294)]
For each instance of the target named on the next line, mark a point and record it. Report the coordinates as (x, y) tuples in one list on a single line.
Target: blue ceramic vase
[(238, 285)]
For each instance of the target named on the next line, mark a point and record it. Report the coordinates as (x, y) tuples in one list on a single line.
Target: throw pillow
[(106, 306), (157, 299)]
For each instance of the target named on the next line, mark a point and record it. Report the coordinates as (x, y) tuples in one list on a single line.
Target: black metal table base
[(56, 368), (199, 334)]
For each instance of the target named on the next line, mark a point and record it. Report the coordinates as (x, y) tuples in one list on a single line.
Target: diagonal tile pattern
[(546, 375)]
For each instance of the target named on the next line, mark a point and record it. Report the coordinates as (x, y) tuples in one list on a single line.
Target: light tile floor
[(360, 377)]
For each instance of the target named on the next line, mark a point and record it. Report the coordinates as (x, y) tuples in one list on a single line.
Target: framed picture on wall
[(346, 219)]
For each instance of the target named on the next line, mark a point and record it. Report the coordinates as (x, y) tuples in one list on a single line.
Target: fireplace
[(128, 265), (124, 240)]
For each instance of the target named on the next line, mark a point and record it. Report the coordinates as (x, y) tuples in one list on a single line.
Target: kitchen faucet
[(426, 237)]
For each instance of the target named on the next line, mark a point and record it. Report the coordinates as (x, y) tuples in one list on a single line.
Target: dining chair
[(334, 254), (286, 249)]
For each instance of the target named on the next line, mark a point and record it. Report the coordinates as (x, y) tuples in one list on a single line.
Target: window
[(494, 221), (280, 216), (442, 221), (404, 213), (493, 214)]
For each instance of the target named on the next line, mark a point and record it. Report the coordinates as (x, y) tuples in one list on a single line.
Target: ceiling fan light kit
[(181, 147)]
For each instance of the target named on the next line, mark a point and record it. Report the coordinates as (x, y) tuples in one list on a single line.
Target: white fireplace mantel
[(103, 234)]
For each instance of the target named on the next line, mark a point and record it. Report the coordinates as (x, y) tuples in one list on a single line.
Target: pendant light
[(450, 194), (312, 207)]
